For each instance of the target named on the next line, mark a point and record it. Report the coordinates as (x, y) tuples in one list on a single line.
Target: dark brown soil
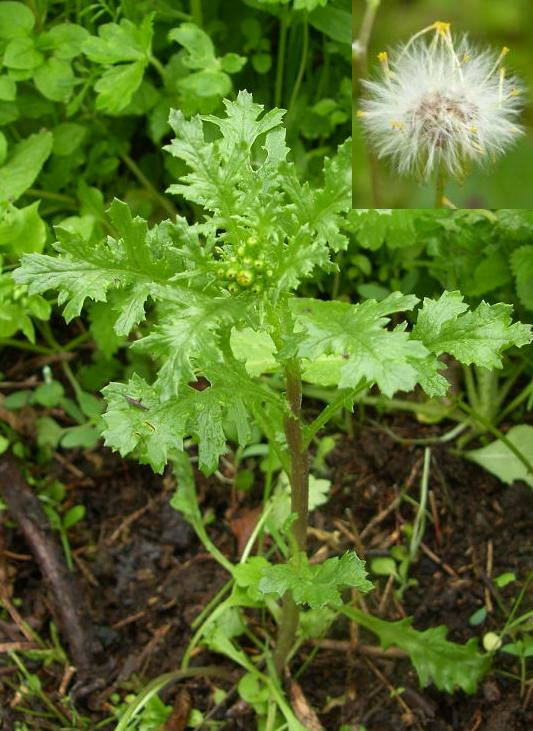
[(145, 577)]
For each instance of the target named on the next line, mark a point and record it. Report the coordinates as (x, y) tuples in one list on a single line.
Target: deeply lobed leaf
[(315, 585)]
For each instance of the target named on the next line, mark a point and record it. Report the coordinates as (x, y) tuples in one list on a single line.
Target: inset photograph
[(442, 115)]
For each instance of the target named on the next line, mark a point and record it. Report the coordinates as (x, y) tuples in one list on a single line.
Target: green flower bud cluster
[(245, 269)]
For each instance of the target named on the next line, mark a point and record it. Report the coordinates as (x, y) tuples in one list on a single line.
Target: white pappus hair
[(441, 105)]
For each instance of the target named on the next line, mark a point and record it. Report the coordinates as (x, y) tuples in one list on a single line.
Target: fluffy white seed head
[(441, 104)]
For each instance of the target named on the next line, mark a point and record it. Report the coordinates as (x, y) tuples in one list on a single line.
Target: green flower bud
[(269, 273), (231, 273), (233, 288), (251, 240), (259, 264), (241, 251), (247, 262), (221, 273), (245, 278), (491, 642)]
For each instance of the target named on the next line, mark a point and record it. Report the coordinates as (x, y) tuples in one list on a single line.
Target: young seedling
[(225, 308)]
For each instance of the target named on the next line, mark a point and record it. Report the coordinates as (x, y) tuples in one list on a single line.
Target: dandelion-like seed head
[(441, 105)]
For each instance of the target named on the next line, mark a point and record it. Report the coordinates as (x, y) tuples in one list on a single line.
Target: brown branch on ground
[(25, 508)]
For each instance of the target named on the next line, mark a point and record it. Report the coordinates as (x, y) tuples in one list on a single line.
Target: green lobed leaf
[(138, 421), (22, 230), (447, 664), (83, 271), (478, 336), (8, 92), (119, 42), (223, 179), (117, 85), (357, 333), (64, 40), (186, 338), (316, 585), (21, 54)]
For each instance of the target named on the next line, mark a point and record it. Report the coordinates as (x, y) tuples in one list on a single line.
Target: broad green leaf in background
[(68, 136), (334, 20), (8, 90), (55, 79), (255, 348), (522, 268), (16, 20), (447, 664), (119, 42), (126, 49), (316, 585), (17, 308), (375, 227), (23, 164), (502, 461), (21, 54), (210, 75), (22, 230), (64, 40), (117, 85)]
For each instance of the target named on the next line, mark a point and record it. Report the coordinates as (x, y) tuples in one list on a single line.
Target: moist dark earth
[(144, 577)]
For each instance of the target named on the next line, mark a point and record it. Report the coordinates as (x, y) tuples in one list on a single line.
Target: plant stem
[(299, 480), (439, 190), (303, 63), (282, 45), (196, 12), (158, 66), (360, 71), (164, 202)]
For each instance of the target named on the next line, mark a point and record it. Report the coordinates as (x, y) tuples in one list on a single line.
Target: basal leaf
[(499, 459), (447, 664)]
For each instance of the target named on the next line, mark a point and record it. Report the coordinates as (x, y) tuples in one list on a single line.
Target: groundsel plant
[(440, 106), (221, 293)]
